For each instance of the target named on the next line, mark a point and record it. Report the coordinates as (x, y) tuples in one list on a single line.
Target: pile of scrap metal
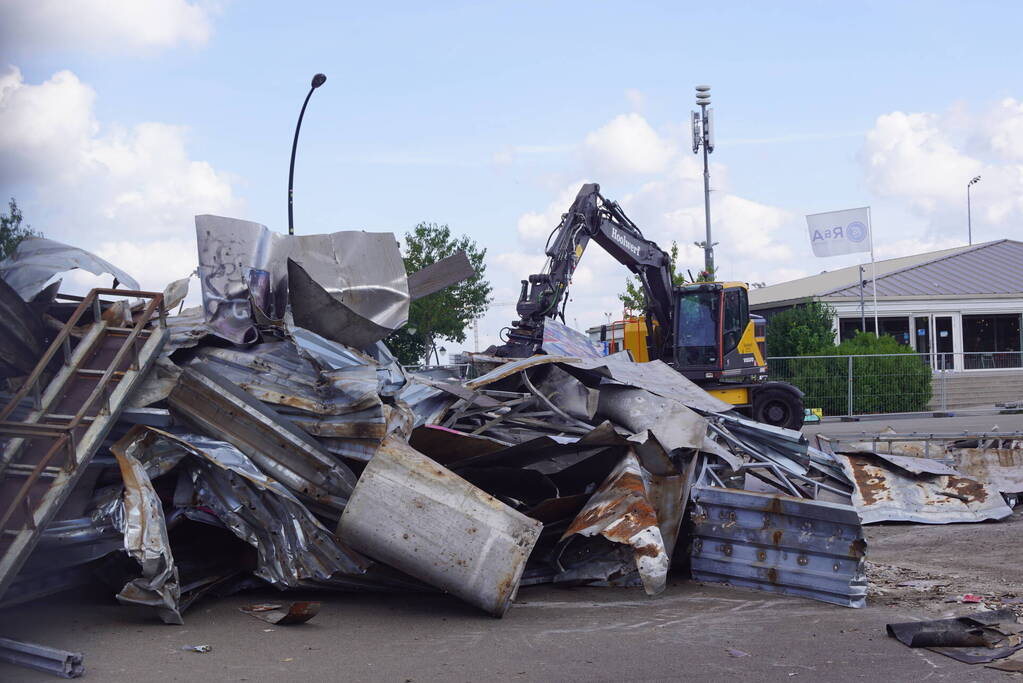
[(269, 437)]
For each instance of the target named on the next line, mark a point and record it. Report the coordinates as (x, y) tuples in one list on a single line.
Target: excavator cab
[(715, 336)]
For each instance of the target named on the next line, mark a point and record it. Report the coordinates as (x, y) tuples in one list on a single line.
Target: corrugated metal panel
[(992, 268), (780, 544)]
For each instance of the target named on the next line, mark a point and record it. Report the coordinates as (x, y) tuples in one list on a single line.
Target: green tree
[(447, 313), (802, 330), (634, 297), (12, 231)]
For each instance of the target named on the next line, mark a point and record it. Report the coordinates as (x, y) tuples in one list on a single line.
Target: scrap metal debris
[(275, 612), (978, 638), (270, 438), (42, 658)]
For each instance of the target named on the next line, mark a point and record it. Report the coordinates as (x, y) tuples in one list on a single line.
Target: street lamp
[(969, 218), (318, 80), (703, 136)]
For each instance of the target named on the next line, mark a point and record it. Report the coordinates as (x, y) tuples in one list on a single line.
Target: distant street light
[(703, 136), (969, 218), (318, 80)]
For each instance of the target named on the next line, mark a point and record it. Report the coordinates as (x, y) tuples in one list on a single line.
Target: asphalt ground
[(693, 632)]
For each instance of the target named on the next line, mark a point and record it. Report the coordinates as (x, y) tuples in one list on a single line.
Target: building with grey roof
[(964, 306)]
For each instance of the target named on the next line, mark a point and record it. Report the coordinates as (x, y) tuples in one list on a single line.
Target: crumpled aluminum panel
[(146, 539), (36, 259), (777, 543), (363, 271), (293, 547), (278, 447), (656, 377), (415, 515), (276, 373), (885, 493)]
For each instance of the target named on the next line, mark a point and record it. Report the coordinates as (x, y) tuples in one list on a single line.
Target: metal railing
[(889, 383)]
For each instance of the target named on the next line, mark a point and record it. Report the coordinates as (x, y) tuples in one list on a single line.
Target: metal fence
[(884, 383)]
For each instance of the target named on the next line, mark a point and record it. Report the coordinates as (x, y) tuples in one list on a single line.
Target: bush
[(887, 384), (802, 330)]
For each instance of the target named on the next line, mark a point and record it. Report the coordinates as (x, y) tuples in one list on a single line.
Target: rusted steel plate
[(413, 514), (631, 508), (778, 543), (999, 467), (886, 493)]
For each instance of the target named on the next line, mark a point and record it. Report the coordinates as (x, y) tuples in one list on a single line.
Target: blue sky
[(485, 116)]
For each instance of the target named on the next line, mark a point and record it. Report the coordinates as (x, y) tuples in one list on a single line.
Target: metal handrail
[(60, 341), (63, 434)]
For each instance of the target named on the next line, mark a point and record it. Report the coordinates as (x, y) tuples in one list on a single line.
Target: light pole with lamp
[(969, 217), (318, 80)]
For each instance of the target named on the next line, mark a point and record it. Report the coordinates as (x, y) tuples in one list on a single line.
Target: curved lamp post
[(969, 217), (318, 80)]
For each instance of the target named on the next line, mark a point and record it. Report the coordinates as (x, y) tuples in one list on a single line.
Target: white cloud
[(129, 194), (912, 156), (925, 160), (1003, 129), (534, 226), (107, 26), (627, 145)]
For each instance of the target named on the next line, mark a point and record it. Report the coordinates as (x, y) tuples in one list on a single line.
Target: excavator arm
[(543, 295)]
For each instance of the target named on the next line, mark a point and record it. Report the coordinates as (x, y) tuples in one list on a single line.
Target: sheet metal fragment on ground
[(885, 493)]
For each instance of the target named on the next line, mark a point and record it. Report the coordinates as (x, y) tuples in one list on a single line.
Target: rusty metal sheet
[(628, 509), (513, 368), (999, 467), (883, 493), (413, 514), (777, 543)]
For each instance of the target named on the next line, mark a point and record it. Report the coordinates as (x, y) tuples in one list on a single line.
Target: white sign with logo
[(840, 232)]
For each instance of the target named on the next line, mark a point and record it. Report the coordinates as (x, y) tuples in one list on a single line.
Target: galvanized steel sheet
[(778, 543)]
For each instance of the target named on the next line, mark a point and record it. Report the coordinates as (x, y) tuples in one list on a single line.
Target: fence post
[(944, 389), (849, 409)]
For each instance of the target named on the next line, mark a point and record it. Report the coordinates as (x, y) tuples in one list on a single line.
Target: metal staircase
[(46, 451)]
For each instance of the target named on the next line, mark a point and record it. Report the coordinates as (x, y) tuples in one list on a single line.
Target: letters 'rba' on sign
[(840, 232)]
